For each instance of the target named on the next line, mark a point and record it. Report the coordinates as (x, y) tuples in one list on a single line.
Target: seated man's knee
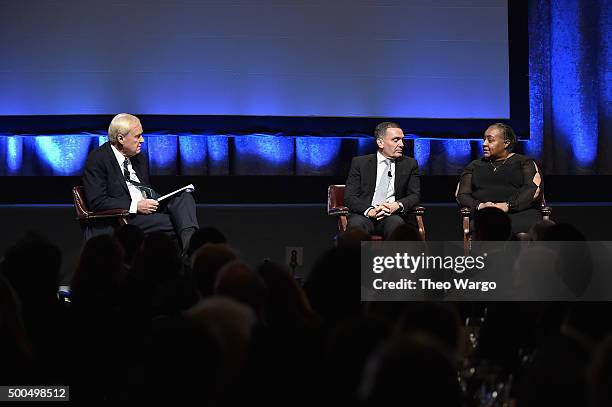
[(184, 198), (356, 221), (395, 220), (391, 223)]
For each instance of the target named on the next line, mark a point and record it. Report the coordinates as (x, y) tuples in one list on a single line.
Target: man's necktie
[(126, 171), (383, 185), (146, 191)]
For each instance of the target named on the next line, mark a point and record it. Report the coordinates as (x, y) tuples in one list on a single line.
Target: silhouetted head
[(286, 304), (130, 237), (563, 232), (205, 235), (438, 320), (491, 224), (352, 238), (158, 259), (405, 233), (185, 361), (333, 285), (206, 263), (100, 272), (32, 267), (536, 232), (422, 367), (239, 281)]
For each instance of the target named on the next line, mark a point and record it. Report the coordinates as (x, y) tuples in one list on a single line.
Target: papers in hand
[(188, 188)]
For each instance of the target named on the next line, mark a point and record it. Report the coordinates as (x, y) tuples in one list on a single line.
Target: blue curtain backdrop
[(570, 76), (570, 65)]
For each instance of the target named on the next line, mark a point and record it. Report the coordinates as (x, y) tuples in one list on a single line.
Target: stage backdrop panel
[(196, 154), (357, 58)]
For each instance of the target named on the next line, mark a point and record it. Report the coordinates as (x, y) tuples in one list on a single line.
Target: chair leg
[(342, 222), (467, 243), (421, 226)]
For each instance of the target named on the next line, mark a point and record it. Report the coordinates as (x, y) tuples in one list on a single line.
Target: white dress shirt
[(381, 170), (135, 193)]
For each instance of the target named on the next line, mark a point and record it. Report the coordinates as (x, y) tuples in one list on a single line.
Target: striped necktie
[(146, 190)]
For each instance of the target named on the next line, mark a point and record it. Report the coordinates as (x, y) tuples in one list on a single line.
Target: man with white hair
[(117, 176)]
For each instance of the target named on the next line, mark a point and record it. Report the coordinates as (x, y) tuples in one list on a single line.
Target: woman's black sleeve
[(464, 189), (531, 190)]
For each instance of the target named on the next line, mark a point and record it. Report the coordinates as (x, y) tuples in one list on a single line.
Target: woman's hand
[(485, 205), (503, 206)]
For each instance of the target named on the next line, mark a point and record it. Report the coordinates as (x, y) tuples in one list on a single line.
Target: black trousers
[(178, 214), (383, 227)]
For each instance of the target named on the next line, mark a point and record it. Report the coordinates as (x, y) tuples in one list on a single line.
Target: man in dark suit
[(381, 188), (117, 176)]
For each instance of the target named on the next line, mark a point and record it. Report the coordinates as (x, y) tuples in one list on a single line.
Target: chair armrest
[(338, 211), (109, 213), (417, 210), (343, 210)]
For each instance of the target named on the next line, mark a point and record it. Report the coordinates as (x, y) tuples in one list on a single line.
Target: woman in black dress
[(503, 179)]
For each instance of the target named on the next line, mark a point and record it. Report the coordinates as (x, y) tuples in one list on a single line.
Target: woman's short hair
[(507, 132)]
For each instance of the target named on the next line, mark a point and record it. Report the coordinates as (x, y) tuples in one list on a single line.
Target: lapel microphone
[(389, 173)]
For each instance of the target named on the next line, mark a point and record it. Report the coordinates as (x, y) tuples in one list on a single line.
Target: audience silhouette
[(141, 324)]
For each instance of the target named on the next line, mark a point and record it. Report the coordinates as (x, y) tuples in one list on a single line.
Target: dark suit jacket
[(105, 187), (361, 183)]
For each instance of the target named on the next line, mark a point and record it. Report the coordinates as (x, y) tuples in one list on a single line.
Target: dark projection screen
[(357, 58)]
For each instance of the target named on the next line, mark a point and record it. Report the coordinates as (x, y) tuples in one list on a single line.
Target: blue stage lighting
[(62, 154), (421, 152), (316, 153), (366, 145), (271, 149), (263, 154), (193, 149), (217, 146), (574, 104), (14, 154), (162, 153), (458, 152)]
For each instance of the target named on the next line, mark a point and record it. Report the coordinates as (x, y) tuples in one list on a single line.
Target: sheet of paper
[(188, 188)]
